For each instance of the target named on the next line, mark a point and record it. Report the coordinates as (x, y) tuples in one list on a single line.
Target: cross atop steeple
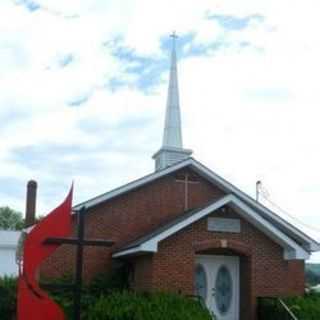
[(173, 35), (172, 147)]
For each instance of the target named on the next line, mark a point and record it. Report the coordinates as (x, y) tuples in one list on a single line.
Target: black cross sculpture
[(80, 242)]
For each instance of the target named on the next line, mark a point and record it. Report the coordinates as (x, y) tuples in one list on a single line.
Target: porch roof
[(149, 242)]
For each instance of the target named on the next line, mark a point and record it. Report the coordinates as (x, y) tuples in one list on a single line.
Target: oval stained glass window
[(223, 290), (200, 282)]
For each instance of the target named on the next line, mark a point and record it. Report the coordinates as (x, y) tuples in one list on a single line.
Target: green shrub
[(8, 297), (307, 307), (103, 300), (106, 283), (157, 306), (304, 308), (61, 295), (270, 309), (101, 285)]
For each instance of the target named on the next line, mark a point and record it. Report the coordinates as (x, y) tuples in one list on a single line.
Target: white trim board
[(131, 186), (228, 187), (291, 249), (307, 242)]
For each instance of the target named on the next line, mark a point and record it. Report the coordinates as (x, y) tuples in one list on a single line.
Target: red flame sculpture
[(34, 303)]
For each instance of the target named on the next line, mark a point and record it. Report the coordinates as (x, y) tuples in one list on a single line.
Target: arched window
[(223, 290), (201, 285)]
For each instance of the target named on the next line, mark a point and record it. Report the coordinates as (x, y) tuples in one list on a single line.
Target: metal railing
[(198, 298), (274, 308), (202, 302), (293, 317)]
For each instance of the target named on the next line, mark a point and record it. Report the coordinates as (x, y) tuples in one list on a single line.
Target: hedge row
[(107, 299), (304, 308), (8, 296), (157, 306)]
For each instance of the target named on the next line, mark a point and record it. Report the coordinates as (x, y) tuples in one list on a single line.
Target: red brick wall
[(143, 268), (264, 272), (129, 216), (295, 278), (246, 288), (271, 274)]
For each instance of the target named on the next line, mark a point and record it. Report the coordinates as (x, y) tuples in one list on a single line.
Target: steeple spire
[(172, 135), (172, 148)]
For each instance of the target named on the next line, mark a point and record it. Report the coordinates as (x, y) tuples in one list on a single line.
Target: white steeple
[(172, 136), (172, 148)]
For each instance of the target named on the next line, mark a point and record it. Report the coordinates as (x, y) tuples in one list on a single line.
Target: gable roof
[(268, 215), (149, 242)]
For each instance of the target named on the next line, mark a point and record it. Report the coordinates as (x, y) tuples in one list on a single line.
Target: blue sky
[(83, 91)]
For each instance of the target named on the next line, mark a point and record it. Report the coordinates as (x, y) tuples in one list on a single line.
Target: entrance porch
[(222, 278)]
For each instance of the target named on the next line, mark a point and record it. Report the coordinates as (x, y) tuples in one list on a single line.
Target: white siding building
[(8, 245)]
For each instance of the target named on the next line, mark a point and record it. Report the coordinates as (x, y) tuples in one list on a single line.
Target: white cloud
[(250, 109)]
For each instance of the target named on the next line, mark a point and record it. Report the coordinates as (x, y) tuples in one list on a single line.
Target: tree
[(10, 219), (312, 278)]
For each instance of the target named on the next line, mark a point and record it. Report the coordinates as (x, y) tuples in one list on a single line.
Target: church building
[(185, 229)]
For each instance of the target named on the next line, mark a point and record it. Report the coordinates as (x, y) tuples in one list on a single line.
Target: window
[(223, 290), (201, 282)]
